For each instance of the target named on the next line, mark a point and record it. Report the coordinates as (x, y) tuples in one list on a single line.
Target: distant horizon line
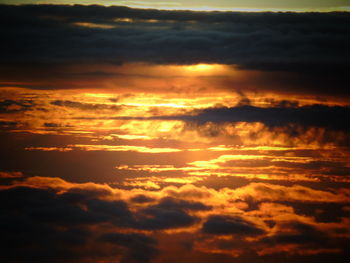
[(345, 9)]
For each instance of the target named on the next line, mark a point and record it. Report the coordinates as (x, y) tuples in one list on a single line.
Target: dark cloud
[(46, 206), (142, 199), (43, 225), (48, 36), (157, 218), (321, 212), (82, 225), (51, 125), (331, 117), (13, 106), (298, 233), (84, 106), (141, 248), (8, 124), (116, 212), (38, 226), (314, 115), (230, 225), (173, 203), (168, 213)]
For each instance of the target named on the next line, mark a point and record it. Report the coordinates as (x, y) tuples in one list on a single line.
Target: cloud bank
[(267, 41), (49, 219)]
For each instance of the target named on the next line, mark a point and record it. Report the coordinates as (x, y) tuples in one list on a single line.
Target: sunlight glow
[(203, 68)]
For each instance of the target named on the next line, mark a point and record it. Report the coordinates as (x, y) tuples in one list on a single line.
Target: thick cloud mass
[(331, 117), (52, 220), (267, 41), (41, 41), (315, 115), (40, 226)]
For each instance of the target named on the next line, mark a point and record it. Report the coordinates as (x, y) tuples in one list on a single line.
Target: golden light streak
[(108, 148), (50, 149), (94, 25)]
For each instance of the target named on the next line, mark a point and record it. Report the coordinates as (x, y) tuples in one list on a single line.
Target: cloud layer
[(49, 219), (48, 36)]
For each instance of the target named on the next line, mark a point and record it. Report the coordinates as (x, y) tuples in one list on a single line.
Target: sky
[(133, 135), (223, 5)]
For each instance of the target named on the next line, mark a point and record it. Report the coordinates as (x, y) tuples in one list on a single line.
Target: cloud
[(140, 248), (169, 213), (298, 233), (331, 117), (11, 175), (8, 124), (49, 219), (141, 199), (299, 193), (102, 204), (12, 106), (316, 115), (42, 225), (111, 148), (230, 225), (157, 218), (85, 106), (48, 36)]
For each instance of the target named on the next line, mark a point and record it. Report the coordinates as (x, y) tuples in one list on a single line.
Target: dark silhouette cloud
[(168, 213), (38, 226), (230, 225), (331, 117), (84, 106), (299, 233), (314, 115), (8, 124), (158, 218), (41, 225), (57, 221), (142, 199), (141, 248), (173, 203), (14, 106)]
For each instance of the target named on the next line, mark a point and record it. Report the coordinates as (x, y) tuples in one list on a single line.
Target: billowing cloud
[(46, 216)]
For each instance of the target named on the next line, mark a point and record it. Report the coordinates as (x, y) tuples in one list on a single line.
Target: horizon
[(221, 6)]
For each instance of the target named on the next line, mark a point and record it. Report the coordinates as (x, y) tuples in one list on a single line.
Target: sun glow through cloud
[(201, 67)]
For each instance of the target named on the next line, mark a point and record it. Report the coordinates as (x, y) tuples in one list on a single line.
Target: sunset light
[(201, 68), (167, 132)]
